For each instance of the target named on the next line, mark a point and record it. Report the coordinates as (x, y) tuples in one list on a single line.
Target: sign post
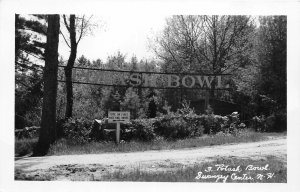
[(118, 117), (118, 133)]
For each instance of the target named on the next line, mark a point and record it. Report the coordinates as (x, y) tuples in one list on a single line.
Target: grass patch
[(21, 176), (276, 172), (24, 146), (63, 147)]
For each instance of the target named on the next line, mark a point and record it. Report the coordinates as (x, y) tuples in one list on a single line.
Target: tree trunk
[(69, 89), (48, 123), (70, 65), (212, 94)]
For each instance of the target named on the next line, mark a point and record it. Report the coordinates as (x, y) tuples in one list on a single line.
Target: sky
[(128, 34)]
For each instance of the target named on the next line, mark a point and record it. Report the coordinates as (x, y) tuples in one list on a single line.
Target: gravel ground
[(86, 167)]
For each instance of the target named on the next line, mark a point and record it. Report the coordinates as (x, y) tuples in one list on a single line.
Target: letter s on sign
[(135, 79)]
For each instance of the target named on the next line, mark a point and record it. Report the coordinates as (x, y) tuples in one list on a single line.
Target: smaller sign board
[(118, 116)]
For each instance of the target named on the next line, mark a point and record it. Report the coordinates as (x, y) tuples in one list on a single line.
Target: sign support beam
[(118, 133), (206, 99)]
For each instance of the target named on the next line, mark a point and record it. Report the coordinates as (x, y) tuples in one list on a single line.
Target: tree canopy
[(30, 42)]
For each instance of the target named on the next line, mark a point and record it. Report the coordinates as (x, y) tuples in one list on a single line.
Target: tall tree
[(48, 124), (272, 58), (74, 25), (205, 44)]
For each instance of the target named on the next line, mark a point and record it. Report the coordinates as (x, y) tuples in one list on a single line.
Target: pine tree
[(48, 124), (30, 31)]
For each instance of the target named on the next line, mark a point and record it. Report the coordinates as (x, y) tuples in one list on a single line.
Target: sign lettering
[(118, 116), (149, 79)]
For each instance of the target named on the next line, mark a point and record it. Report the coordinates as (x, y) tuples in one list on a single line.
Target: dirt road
[(150, 159)]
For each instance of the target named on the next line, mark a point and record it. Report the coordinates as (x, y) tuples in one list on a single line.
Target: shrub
[(25, 146), (196, 124), (257, 123), (182, 124), (280, 121), (140, 129), (212, 124), (229, 124), (77, 131), (99, 132), (96, 132), (178, 127), (186, 109), (274, 122), (233, 125)]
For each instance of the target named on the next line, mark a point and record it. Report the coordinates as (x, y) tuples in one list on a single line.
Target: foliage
[(172, 128), (179, 124), (77, 131), (63, 147), (97, 133), (81, 26), (152, 108), (208, 123), (24, 146), (262, 86), (30, 33), (27, 132), (94, 102), (272, 56), (267, 96), (189, 42), (131, 103), (204, 44), (140, 129), (276, 122)]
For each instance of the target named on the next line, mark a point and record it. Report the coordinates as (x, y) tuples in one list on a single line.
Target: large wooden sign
[(156, 80)]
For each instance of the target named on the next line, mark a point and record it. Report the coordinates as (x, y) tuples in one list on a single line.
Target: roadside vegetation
[(63, 147), (25, 146), (174, 130)]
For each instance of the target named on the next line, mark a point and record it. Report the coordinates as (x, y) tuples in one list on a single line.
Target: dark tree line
[(272, 55)]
